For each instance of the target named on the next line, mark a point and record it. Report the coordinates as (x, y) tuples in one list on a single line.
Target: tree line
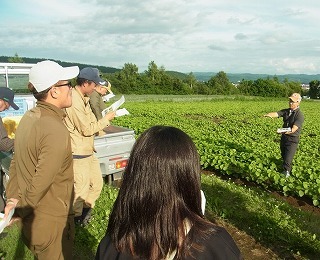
[(156, 80)]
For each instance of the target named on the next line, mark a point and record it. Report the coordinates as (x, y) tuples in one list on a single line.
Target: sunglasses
[(66, 84)]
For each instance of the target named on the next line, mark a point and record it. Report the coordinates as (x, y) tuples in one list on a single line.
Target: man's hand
[(271, 114), (9, 210), (110, 115)]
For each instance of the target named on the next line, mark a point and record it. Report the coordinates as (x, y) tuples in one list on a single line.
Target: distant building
[(305, 87)]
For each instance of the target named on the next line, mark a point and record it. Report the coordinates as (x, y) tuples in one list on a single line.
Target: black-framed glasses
[(66, 84)]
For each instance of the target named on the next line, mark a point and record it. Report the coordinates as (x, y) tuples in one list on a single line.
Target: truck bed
[(113, 149)]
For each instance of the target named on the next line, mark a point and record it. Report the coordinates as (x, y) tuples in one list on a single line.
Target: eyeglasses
[(66, 84), (292, 102)]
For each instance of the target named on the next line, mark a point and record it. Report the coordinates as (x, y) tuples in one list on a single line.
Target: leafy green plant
[(234, 138)]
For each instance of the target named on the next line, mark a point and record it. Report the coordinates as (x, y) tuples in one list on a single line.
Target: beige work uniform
[(83, 126)]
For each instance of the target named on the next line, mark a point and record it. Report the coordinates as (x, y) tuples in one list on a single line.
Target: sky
[(235, 36)]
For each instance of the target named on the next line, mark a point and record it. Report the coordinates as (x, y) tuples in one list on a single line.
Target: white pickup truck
[(113, 148)]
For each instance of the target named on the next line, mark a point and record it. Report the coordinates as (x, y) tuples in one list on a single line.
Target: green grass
[(272, 222)]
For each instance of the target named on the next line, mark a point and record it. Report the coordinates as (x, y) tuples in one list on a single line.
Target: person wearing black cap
[(6, 143), (293, 120), (6, 100), (83, 126)]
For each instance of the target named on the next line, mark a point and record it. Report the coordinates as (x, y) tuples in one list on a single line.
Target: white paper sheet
[(114, 106), (5, 221), (122, 112), (283, 130), (108, 97)]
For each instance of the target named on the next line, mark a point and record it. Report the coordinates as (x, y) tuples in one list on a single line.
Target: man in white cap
[(292, 118), (41, 172), (83, 126)]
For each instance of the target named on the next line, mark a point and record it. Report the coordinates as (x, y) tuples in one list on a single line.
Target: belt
[(81, 156)]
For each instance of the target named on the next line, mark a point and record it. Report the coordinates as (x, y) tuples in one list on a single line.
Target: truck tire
[(109, 179)]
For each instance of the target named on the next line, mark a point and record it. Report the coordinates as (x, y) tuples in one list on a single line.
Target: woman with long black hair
[(157, 214)]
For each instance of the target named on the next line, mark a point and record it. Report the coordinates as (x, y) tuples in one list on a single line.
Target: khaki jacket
[(97, 104), (41, 171), (82, 124)]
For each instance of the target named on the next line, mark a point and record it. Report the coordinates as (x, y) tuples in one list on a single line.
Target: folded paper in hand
[(5, 221), (115, 106), (108, 97), (284, 130), (121, 112)]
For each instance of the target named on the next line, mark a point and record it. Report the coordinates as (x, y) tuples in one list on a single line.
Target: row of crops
[(234, 138)]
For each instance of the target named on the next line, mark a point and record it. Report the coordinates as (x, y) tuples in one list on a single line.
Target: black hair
[(81, 81), (40, 96), (159, 196)]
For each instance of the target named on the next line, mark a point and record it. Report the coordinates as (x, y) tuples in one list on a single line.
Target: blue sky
[(234, 36)]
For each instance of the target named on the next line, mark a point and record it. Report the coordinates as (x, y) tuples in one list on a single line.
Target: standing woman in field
[(157, 214)]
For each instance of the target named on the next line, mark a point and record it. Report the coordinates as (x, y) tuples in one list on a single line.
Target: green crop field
[(234, 138)]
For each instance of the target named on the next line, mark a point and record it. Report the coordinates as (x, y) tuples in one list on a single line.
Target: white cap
[(46, 73), (295, 97)]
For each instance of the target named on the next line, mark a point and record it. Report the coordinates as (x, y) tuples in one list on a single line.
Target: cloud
[(294, 12), (216, 47), (183, 35), (295, 66), (274, 37), (240, 36)]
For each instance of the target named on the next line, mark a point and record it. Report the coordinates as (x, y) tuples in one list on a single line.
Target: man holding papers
[(96, 101), (83, 125)]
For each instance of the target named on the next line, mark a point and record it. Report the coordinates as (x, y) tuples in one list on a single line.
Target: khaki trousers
[(49, 237), (88, 183)]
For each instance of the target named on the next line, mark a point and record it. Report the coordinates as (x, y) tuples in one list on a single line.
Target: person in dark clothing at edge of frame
[(41, 173), (158, 213), (6, 143), (292, 118)]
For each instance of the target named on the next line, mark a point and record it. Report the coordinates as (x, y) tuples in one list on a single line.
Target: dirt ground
[(251, 249)]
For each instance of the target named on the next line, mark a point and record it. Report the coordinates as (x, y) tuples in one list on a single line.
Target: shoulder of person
[(283, 111), (219, 245), (106, 250)]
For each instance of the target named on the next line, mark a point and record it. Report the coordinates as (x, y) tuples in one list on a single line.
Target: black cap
[(91, 74), (7, 95)]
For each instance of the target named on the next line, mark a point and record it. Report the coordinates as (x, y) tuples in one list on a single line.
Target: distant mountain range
[(201, 76), (235, 77)]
